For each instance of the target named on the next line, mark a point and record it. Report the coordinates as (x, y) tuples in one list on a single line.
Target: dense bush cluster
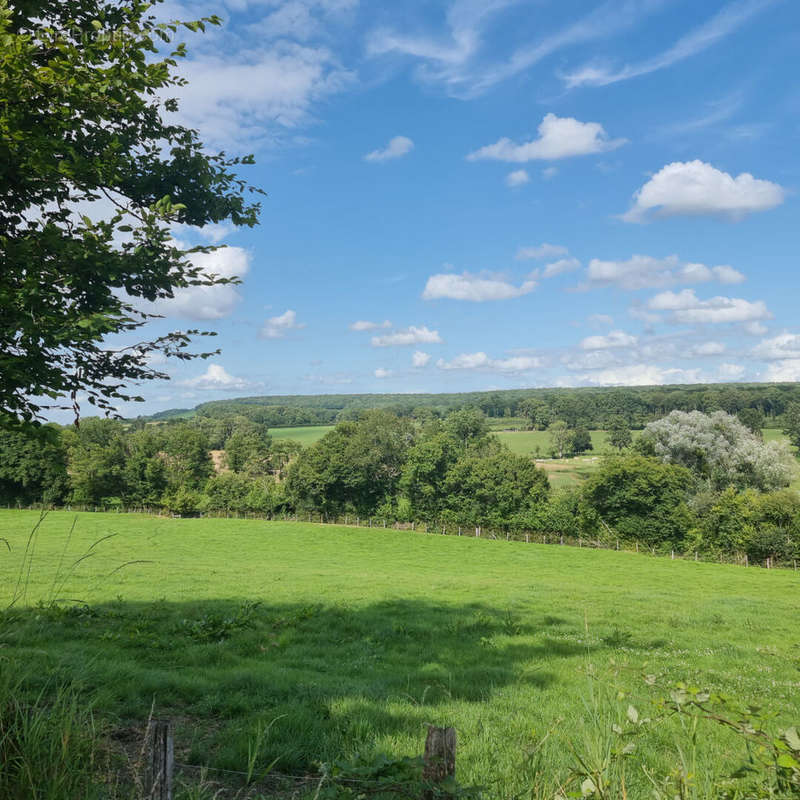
[(691, 481)]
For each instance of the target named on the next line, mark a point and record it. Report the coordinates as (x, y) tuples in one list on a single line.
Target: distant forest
[(593, 408)]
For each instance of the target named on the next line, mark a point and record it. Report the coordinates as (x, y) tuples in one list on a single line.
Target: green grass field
[(306, 435), (364, 636)]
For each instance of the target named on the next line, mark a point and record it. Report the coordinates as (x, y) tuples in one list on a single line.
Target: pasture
[(305, 435), (314, 643)]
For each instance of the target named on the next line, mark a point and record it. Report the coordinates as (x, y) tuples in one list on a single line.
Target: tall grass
[(48, 750)]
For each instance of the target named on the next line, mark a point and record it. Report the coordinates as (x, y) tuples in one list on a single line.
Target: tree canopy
[(94, 174)]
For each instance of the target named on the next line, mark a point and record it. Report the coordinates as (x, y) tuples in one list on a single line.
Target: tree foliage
[(93, 176), (719, 450)]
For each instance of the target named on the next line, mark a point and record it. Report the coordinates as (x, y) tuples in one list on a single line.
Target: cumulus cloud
[(278, 327), (206, 302), (641, 375), (408, 336), (519, 177), (696, 188), (559, 137), (380, 372), (217, 378), (754, 328), (707, 349), (611, 340), (542, 251), (560, 267), (730, 372), (480, 361), (686, 307), (787, 371), (474, 288), (420, 359), (366, 325), (397, 147), (783, 346), (257, 95), (646, 272)]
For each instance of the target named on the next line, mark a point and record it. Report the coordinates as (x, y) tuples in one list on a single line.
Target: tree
[(355, 467), (92, 178), (638, 498), (560, 436), (791, 423), (580, 441), (753, 420), (32, 469), (719, 450), (619, 434)]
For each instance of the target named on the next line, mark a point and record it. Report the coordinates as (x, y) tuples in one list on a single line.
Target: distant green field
[(362, 637), (306, 435), (526, 442)]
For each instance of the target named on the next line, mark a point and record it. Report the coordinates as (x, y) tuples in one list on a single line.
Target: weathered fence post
[(159, 760), (440, 756)]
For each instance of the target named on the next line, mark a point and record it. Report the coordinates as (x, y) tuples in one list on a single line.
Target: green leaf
[(792, 738), (788, 761)]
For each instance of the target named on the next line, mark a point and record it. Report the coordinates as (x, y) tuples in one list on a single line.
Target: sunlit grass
[(364, 636)]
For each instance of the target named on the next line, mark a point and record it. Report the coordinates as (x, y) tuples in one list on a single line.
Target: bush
[(638, 499)]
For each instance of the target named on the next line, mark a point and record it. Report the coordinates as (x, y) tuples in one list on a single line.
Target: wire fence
[(447, 528)]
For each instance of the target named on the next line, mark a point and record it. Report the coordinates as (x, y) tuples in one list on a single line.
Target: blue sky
[(474, 195)]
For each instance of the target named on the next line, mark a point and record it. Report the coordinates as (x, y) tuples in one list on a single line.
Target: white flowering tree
[(720, 450)]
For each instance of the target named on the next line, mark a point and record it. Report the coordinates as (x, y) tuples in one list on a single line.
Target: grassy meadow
[(307, 643), (305, 435)]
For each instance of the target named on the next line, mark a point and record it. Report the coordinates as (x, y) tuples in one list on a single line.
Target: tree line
[(690, 481), (591, 408)]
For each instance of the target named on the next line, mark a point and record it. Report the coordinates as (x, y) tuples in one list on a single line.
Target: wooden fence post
[(159, 760), (440, 756)]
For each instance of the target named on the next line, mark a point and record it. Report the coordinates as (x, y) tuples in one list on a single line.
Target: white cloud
[(560, 267), (206, 302), (783, 346), (646, 272), (787, 371), (730, 372), (474, 288), (559, 137), (696, 188), (714, 30), (543, 250), (641, 375), (480, 361), (366, 325), (256, 95), (611, 340), (686, 307), (519, 177), (727, 274), (278, 327), (216, 378), (213, 232), (382, 373), (409, 336), (397, 147), (707, 349), (601, 319), (754, 328), (420, 359), (549, 172)]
